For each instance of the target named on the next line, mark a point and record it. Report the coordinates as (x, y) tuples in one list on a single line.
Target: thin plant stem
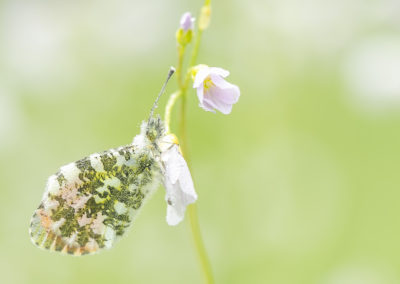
[(181, 51), (192, 208), (195, 51), (182, 93), (201, 250), (168, 110)]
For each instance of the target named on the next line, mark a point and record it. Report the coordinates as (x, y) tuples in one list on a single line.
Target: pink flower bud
[(187, 22)]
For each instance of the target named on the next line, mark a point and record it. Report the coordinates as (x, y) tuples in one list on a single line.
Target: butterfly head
[(154, 129)]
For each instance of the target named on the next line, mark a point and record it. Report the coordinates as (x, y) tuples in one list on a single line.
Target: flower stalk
[(182, 94), (168, 110), (192, 209), (214, 93)]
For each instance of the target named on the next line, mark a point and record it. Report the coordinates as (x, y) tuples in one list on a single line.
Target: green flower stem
[(201, 250), (183, 85), (195, 51), (181, 52), (192, 209), (168, 110)]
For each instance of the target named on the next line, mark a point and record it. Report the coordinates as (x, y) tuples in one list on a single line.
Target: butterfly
[(89, 204)]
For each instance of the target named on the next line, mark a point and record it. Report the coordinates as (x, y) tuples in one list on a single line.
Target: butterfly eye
[(151, 134)]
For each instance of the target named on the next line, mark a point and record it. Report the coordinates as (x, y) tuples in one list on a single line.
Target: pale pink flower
[(187, 22), (213, 91)]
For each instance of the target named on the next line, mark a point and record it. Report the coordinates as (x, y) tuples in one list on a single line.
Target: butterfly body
[(90, 203)]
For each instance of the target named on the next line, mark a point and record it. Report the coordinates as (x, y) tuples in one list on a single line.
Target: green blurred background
[(299, 184)]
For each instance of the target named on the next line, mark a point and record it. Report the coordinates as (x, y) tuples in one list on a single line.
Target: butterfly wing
[(88, 204)]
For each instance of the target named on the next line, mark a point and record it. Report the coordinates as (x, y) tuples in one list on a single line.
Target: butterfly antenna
[(170, 73)]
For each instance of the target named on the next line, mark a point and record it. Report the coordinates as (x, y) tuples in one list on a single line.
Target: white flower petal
[(212, 99), (201, 75), (227, 96), (219, 71), (207, 107), (220, 82), (200, 92)]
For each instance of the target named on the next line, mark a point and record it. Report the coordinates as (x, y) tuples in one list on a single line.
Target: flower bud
[(185, 33), (183, 38), (187, 22), (205, 15)]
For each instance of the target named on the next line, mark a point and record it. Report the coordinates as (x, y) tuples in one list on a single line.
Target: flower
[(187, 22), (177, 181), (185, 32), (213, 91)]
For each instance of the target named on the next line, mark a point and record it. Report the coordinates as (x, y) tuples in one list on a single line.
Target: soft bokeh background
[(300, 184)]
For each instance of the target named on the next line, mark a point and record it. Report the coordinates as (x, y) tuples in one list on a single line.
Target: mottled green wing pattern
[(88, 204)]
